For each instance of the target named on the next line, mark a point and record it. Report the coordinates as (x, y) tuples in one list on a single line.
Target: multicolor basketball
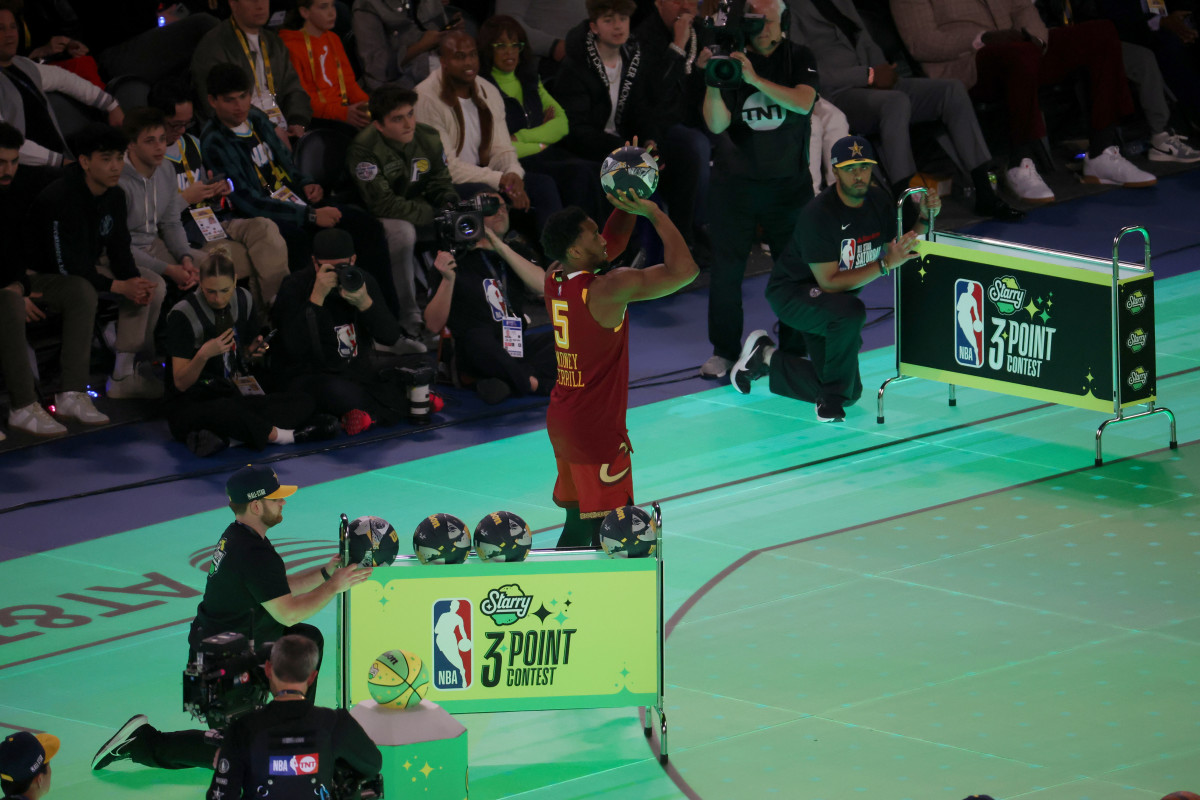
[(629, 168), (502, 536), (372, 542), (628, 532), (398, 679), (442, 539)]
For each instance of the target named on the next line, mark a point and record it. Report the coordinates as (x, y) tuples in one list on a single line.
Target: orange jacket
[(323, 87)]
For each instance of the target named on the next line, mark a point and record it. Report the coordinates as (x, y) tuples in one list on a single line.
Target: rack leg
[(953, 399)]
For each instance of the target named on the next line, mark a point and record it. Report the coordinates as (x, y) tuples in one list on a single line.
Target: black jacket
[(71, 228), (14, 220), (673, 96)]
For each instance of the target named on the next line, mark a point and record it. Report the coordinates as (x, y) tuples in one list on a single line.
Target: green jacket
[(401, 181), (221, 45)]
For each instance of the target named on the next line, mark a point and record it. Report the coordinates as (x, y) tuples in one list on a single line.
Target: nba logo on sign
[(452, 644), (968, 323)]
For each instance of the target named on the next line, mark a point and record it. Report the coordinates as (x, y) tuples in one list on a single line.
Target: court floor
[(954, 602)]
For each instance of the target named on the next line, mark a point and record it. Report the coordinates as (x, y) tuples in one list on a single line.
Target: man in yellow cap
[(25, 764)]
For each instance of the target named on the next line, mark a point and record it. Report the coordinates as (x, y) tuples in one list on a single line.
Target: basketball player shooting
[(587, 302)]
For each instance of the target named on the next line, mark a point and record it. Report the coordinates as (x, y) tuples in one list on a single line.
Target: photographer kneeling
[(327, 316), (249, 592), (289, 748), (480, 297)]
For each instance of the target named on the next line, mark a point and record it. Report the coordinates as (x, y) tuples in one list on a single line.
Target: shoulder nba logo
[(294, 765), (453, 632)]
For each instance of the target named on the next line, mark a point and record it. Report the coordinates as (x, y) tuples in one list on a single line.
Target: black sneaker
[(752, 364), (117, 748), (319, 428), (492, 390), (206, 443), (830, 411)]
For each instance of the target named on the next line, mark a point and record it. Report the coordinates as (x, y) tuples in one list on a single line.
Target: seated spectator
[(78, 228), (396, 42), (25, 298), (23, 102), (240, 141), (320, 60), (469, 115), (601, 84), (535, 120), (155, 229), (400, 170), (481, 297), (49, 31), (254, 244), (857, 78), (243, 41), (1142, 68), (814, 286), (324, 331), (213, 396), (547, 22), (669, 43), (1001, 50)]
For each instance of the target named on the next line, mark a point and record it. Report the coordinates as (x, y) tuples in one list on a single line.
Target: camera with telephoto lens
[(461, 224), (226, 679), (723, 71), (350, 278)]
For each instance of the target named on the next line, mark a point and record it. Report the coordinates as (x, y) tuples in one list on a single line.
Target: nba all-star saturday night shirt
[(245, 573), (829, 230)]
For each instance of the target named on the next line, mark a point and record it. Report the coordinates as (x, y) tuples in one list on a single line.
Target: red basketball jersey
[(586, 417)]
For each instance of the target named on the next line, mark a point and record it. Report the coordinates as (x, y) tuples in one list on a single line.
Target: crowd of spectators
[(148, 211)]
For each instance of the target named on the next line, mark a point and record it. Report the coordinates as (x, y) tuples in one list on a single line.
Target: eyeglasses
[(504, 45), (172, 125)]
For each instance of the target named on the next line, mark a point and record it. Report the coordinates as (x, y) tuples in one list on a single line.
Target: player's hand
[(900, 251), (33, 313), (218, 345), (445, 264), (629, 202), (749, 76), (344, 577)]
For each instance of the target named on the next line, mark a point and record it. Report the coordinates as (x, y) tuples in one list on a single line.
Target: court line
[(86, 645)]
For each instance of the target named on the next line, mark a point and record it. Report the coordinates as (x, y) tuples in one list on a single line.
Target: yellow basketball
[(398, 679)]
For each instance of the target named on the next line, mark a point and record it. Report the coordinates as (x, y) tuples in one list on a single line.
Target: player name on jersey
[(569, 373)]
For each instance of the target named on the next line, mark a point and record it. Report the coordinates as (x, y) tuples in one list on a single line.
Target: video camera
[(226, 679), (722, 70), (462, 223)]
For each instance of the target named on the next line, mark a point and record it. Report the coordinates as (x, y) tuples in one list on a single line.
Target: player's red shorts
[(596, 488)]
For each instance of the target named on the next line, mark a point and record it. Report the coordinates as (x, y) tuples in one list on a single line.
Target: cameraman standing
[(290, 748), (248, 591), (760, 166), (328, 315)]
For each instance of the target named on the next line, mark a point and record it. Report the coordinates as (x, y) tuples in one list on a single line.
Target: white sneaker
[(1167, 146), (715, 367), (134, 385), (78, 406), (1025, 182), (36, 420), (1112, 168)]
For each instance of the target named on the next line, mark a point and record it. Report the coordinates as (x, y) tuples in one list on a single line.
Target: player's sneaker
[(1112, 168), (117, 748), (36, 420), (78, 406), (1024, 181), (715, 367), (1167, 146), (752, 364), (830, 411)]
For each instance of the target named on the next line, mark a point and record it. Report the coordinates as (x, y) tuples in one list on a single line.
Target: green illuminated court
[(952, 603)]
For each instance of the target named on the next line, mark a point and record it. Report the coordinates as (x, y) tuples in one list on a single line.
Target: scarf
[(626, 81)]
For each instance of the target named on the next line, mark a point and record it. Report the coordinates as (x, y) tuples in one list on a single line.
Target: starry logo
[(1136, 340), (1136, 302), (506, 605), (1007, 295), (1137, 379)]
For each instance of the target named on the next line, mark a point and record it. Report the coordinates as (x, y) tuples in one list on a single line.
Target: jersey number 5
[(558, 313)]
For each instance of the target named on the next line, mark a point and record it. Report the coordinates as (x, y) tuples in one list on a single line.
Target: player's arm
[(290, 609), (611, 293), (831, 279)]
